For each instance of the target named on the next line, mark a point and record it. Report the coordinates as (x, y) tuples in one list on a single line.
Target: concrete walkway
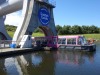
[(15, 51), (12, 49)]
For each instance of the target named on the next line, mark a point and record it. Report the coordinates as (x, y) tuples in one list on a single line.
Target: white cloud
[(13, 18)]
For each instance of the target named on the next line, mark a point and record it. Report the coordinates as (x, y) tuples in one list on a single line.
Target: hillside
[(11, 28)]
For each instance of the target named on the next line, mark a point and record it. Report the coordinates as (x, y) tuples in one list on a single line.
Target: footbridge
[(35, 13)]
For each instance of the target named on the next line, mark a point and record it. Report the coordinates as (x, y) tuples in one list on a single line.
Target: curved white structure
[(11, 6), (3, 32), (35, 13)]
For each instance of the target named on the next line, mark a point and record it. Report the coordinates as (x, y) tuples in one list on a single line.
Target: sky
[(13, 18), (69, 12)]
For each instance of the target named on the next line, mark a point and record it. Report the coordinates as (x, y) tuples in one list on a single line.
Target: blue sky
[(69, 12), (81, 12)]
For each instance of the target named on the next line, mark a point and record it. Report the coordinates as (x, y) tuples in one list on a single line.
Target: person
[(91, 41)]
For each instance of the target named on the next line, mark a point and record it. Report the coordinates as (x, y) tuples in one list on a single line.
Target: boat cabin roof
[(70, 36), (65, 36)]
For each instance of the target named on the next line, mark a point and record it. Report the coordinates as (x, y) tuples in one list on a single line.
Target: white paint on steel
[(11, 6), (21, 24)]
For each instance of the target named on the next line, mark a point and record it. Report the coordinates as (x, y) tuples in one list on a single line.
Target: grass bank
[(10, 33), (37, 34), (94, 36), (34, 34)]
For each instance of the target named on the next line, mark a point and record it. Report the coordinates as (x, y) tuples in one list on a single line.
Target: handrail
[(52, 2), (7, 43)]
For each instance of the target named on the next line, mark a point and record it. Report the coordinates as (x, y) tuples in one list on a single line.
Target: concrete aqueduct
[(35, 13)]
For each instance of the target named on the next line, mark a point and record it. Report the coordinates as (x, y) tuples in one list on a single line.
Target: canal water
[(52, 63)]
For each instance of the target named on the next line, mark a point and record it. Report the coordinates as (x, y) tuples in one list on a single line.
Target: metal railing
[(52, 2), (5, 43), (8, 43)]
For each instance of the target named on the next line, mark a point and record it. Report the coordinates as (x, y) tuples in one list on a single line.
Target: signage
[(44, 16)]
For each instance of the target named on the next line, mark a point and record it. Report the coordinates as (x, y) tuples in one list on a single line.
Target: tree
[(85, 29), (58, 28), (10, 28), (38, 30), (76, 29), (99, 30), (66, 29), (94, 29)]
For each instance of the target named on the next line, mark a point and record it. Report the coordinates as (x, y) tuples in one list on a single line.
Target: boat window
[(85, 42), (62, 41), (59, 41), (82, 41), (54, 40), (79, 41), (71, 41)]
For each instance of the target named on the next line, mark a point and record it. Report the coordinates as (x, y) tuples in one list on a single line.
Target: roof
[(70, 36)]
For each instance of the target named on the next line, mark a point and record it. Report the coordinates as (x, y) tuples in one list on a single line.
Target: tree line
[(66, 29), (76, 29), (10, 28)]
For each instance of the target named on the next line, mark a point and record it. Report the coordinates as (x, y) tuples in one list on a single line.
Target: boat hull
[(91, 47)]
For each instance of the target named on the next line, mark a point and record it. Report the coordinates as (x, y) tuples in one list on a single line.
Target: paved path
[(12, 49)]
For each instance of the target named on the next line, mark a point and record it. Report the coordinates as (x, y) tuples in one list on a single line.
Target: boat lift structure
[(35, 13)]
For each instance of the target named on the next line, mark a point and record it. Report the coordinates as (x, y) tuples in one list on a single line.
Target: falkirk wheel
[(3, 33), (35, 13)]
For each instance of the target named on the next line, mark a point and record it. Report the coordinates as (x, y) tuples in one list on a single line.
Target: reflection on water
[(52, 63), (36, 59), (35, 63), (74, 58)]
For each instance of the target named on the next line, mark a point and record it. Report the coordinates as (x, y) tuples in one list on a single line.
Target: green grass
[(94, 36), (34, 34), (37, 34), (10, 33)]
